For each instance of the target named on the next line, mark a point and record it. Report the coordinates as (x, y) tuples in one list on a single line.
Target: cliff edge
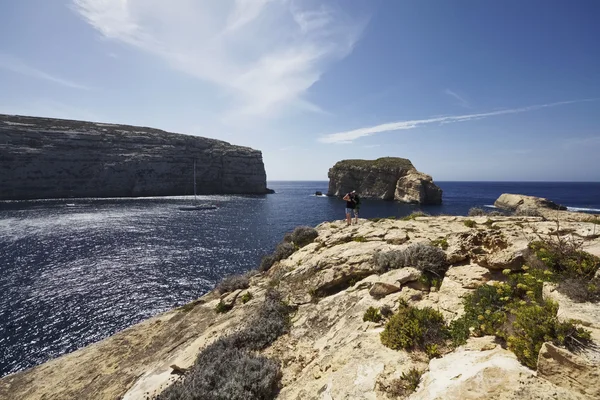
[(356, 298), (54, 158), (388, 178)]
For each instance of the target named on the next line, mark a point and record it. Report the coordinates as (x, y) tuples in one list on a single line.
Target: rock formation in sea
[(53, 158), (388, 178), (341, 294), (519, 202)]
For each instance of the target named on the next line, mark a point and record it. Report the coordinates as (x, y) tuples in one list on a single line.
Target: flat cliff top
[(380, 163), (332, 350), (124, 133)]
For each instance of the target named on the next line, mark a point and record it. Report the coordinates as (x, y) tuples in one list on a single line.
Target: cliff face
[(331, 352), (386, 178), (51, 158)]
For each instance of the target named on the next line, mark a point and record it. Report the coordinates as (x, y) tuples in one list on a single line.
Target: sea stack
[(46, 158), (388, 178)]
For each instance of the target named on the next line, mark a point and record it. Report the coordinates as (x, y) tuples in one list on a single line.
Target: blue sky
[(466, 89)]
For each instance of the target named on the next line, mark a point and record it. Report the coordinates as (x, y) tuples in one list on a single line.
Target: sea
[(75, 271)]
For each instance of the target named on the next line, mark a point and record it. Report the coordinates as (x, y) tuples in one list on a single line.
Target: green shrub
[(496, 214), (372, 314), (527, 212), (386, 311), (222, 308), (413, 328), (304, 235), (535, 324), (246, 297), (469, 223), (476, 212), (441, 243), (415, 215), (566, 258), (359, 239), (406, 384), (374, 219)]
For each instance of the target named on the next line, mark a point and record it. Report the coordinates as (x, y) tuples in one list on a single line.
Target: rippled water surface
[(75, 271)]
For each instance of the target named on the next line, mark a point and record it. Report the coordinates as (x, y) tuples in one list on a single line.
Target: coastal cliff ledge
[(343, 291), (387, 178), (52, 158)]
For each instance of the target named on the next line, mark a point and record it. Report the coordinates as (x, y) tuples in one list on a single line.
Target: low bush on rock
[(415, 215), (469, 223), (516, 313), (476, 212), (441, 243), (304, 235), (372, 314), (222, 308), (246, 297), (234, 282), (229, 368), (527, 212), (300, 237), (426, 258), (414, 328), (406, 384)]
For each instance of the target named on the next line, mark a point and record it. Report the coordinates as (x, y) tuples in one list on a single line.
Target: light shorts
[(349, 210)]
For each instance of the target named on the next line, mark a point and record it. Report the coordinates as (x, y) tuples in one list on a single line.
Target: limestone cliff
[(388, 178), (516, 202), (331, 352), (52, 158)]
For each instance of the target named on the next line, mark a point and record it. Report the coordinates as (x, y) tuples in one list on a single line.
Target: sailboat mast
[(194, 179)]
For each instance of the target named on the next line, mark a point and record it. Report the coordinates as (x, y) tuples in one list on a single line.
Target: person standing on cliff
[(351, 200)]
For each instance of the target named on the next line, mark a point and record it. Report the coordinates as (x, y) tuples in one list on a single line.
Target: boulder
[(569, 371), (387, 178), (380, 289), (513, 202), (484, 370)]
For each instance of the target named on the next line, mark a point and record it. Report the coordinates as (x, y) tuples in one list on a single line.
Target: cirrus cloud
[(264, 54)]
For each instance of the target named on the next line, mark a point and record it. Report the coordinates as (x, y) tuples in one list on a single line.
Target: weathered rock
[(230, 298), (381, 289), (505, 259), (458, 282), (386, 178), (401, 276), (512, 202), (569, 371), (417, 187), (52, 158), (484, 371)]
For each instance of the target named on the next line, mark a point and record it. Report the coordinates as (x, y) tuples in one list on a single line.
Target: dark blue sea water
[(75, 271)]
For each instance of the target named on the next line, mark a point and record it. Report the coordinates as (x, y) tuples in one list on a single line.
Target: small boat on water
[(195, 206)]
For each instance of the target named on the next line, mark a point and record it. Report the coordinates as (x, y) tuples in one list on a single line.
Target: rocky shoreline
[(343, 298)]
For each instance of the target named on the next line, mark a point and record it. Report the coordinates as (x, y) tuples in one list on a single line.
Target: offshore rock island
[(446, 308), (388, 178), (45, 158)]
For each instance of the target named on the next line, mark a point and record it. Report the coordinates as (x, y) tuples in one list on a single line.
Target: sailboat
[(195, 205)]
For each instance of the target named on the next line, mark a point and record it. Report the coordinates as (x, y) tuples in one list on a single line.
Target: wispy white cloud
[(265, 54), (16, 65), (349, 136), (461, 101)]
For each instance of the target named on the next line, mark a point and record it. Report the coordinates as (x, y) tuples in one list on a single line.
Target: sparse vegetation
[(304, 235), (234, 282), (246, 297), (469, 223), (359, 239), (527, 212), (229, 368), (415, 215), (222, 307), (426, 258), (476, 212), (372, 314), (406, 384), (441, 243)]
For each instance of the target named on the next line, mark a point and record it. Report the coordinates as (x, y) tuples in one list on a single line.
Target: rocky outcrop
[(52, 158), (330, 352), (386, 178), (517, 202)]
